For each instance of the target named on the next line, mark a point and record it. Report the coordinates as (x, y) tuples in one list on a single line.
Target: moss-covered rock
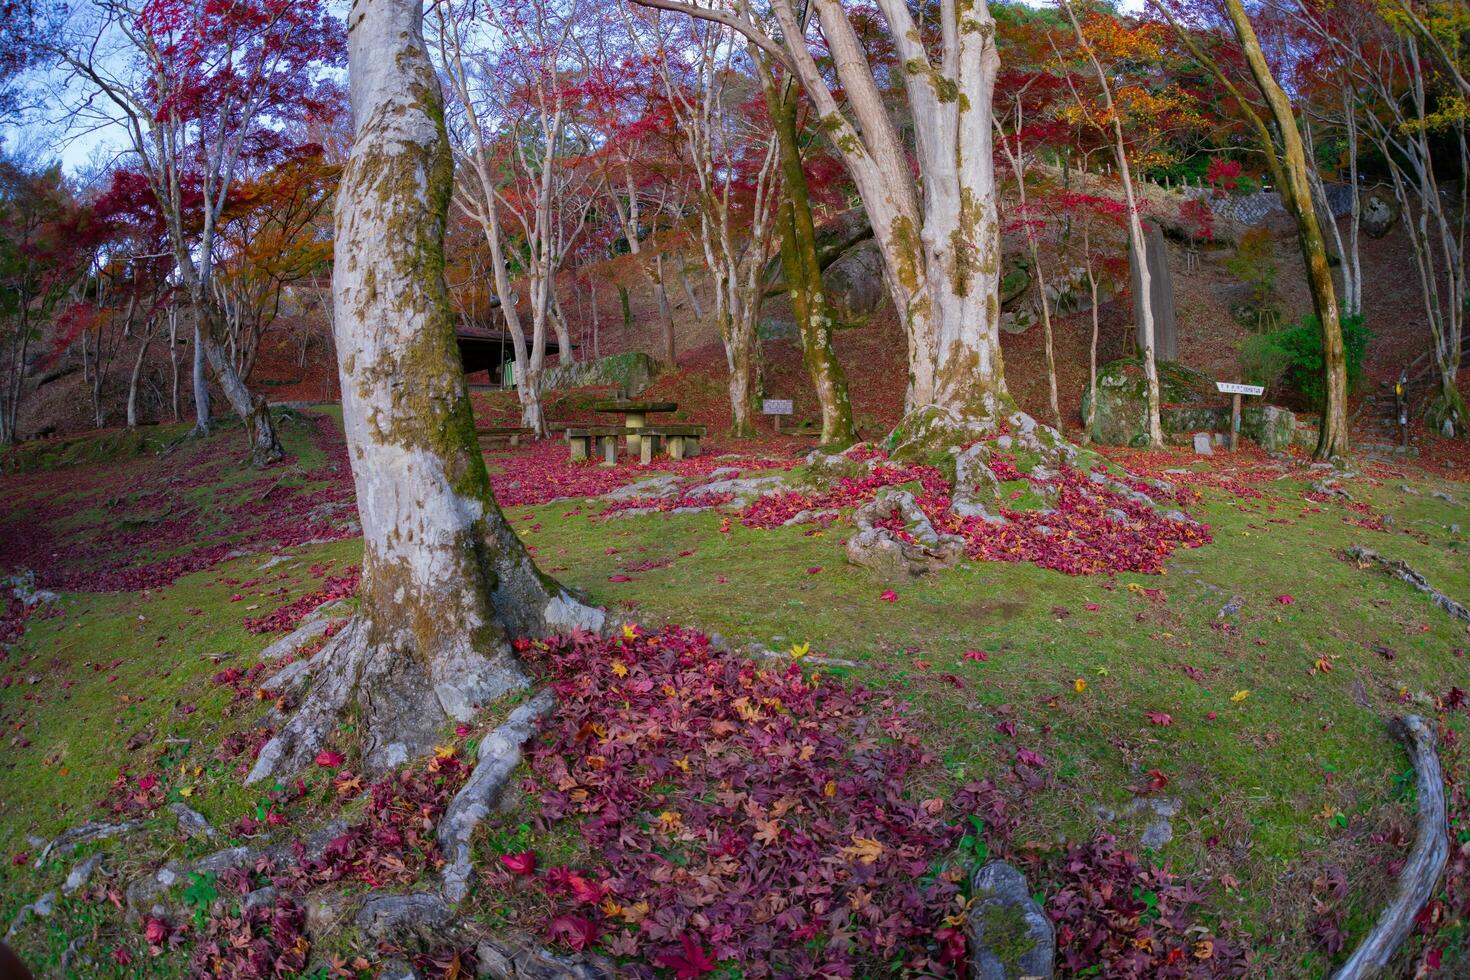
[(1122, 398), (632, 372), (1271, 427)]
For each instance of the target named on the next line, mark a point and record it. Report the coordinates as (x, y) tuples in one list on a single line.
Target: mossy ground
[(1297, 774)]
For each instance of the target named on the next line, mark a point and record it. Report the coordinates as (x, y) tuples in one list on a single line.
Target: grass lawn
[(1268, 725)]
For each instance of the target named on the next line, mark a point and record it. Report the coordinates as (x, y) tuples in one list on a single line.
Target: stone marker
[(1010, 937), (1161, 295), (1202, 441)]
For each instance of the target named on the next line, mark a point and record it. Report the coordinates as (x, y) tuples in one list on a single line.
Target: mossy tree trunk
[(1286, 157), (1290, 169), (814, 317), (938, 233), (445, 582)]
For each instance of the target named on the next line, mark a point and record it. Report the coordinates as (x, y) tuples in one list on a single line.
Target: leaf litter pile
[(772, 819)]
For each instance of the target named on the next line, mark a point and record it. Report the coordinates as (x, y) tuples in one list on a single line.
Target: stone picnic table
[(635, 415)]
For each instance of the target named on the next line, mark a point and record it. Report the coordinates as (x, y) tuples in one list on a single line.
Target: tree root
[(1401, 570), (500, 754), (1426, 861), (403, 696)]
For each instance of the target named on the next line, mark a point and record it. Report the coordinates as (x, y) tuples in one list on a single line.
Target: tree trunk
[(445, 583), (133, 378), (202, 423), (1297, 194), (173, 359), (740, 342), (661, 293), (1136, 240), (803, 271), (1088, 422), (265, 448)]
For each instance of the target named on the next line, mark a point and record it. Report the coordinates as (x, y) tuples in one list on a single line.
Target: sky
[(46, 137)]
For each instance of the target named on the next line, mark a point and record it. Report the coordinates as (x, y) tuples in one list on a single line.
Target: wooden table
[(635, 415)]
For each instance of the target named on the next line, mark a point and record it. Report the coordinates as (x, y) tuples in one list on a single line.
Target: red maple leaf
[(574, 930), (519, 864), (690, 963), (1160, 718)]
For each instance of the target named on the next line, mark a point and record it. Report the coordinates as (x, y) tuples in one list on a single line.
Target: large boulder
[(1380, 212), (632, 372), (854, 284), (1122, 398)]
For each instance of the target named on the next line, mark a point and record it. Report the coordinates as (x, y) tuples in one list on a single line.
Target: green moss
[(1006, 935)]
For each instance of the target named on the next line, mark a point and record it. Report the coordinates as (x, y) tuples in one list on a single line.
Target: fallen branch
[(1401, 570), (1426, 861)]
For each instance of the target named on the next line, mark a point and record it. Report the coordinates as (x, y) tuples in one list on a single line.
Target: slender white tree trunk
[(202, 422), (445, 582)]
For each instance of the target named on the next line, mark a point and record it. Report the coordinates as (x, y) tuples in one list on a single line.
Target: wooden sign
[(776, 406), (1235, 391), (1231, 388)]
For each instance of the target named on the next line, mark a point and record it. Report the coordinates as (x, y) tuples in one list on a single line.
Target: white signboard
[(1230, 388), (776, 406)]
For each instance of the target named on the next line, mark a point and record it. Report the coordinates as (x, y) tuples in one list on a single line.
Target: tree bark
[(136, 375), (809, 304), (1136, 240), (202, 423), (445, 582), (1297, 193)]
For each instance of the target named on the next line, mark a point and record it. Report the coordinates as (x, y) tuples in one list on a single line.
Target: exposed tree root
[(1401, 570), (1426, 861), (403, 696), (500, 754)]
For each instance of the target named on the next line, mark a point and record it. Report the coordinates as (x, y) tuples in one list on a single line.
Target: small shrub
[(1262, 361), (1300, 348), (1254, 265)]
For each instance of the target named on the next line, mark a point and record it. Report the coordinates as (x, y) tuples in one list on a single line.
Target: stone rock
[(1159, 831), (1271, 427), (191, 822), (1010, 936), (397, 968), (631, 373), (657, 486), (404, 920), (80, 874), (518, 958), (742, 491), (500, 754), (259, 898), (1121, 417), (1202, 444), (144, 894), (41, 908), (1380, 212), (854, 284)]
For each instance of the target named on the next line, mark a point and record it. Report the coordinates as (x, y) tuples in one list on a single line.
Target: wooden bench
[(681, 441), (511, 433), (604, 437)]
